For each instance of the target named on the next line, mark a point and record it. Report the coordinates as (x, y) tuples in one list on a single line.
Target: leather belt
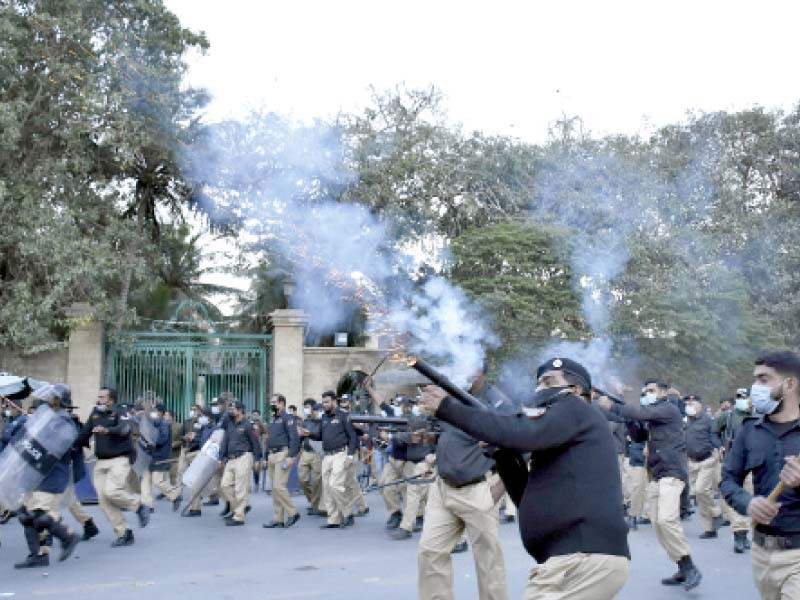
[(463, 485), (239, 454), (332, 452), (777, 542), (276, 450)]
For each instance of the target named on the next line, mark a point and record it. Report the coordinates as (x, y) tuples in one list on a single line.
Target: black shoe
[(459, 548), (68, 546), (363, 513), (418, 525), (176, 504), (125, 540), (152, 510), (211, 502), (394, 520), (708, 535), (273, 525), (677, 579), (293, 519), (247, 509), (160, 497), (233, 523), (716, 523), (330, 526), (192, 513), (632, 526), (89, 530), (726, 523), (348, 521), (692, 575), (32, 562), (740, 542), (226, 512), (509, 519), (322, 513), (7, 516), (400, 534), (644, 521), (144, 515)]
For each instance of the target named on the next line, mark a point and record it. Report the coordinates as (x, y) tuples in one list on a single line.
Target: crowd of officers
[(581, 467)]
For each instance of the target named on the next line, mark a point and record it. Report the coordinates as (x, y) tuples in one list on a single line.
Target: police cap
[(571, 367)]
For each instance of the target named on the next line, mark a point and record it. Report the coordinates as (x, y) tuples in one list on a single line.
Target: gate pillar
[(85, 359), (288, 328)]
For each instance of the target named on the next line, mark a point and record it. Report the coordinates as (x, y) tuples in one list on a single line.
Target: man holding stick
[(768, 447)]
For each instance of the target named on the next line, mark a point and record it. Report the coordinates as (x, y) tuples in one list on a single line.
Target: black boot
[(418, 524), (32, 538), (89, 530), (394, 520), (124, 540), (677, 578), (226, 512), (740, 542), (33, 561), (68, 540), (691, 574)]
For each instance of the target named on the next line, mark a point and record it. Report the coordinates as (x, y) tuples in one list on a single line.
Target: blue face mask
[(763, 402)]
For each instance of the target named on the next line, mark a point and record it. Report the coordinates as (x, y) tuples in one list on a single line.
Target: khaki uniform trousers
[(393, 495), (664, 506), (577, 576), (282, 505), (637, 476), (622, 461), (113, 495), (309, 474), (701, 476), (416, 495), (776, 573), (738, 522), (449, 511), (355, 496), (161, 481), (334, 486), (49, 504), (70, 500), (235, 484)]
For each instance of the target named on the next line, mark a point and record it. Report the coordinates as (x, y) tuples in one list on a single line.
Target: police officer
[(570, 510), (239, 450), (40, 515), (157, 474), (729, 424), (186, 435), (113, 446), (309, 466), (220, 419), (637, 473), (78, 472), (339, 443), (667, 467), (702, 447), (768, 446), (283, 446), (358, 504)]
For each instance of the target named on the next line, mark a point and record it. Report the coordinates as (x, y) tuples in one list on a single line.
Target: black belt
[(463, 485), (706, 457), (276, 450), (332, 452), (239, 454), (777, 542)]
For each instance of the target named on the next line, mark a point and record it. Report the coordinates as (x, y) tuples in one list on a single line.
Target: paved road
[(200, 558)]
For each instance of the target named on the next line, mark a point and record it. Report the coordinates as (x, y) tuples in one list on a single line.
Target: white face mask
[(691, 411), (742, 404), (7, 413), (101, 408), (306, 411), (763, 402), (154, 416), (203, 420), (415, 411), (650, 398), (192, 414), (215, 410)]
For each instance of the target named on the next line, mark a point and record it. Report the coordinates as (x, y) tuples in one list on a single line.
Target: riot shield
[(32, 453), (203, 467), (148, 436)]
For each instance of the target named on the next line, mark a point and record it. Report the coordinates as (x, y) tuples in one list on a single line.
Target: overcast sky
[(504, 67)]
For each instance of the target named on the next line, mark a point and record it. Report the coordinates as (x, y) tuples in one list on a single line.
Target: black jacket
[(760, 450), (571, 499), (701, 439), (636, 454), (117, 442), (240, 437), (336, 432), (283, 433), (666, 441)]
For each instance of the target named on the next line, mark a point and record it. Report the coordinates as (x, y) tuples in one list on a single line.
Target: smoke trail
[(279, 182)]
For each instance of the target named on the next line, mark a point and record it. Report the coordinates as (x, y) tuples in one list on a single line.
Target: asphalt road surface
[(199, 558)]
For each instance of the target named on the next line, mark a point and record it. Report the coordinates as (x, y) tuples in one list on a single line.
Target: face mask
[(215, 410), (544, 396), (307, 412), (691, 411), (398, 412), (415, 411), (101, 408), (154, 416), (763, 402), (742, 404), (649, 398), (7, 413), (203, 420), (192, 414)]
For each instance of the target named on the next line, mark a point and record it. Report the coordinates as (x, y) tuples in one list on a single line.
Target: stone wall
[(324, 366), (50, 366)]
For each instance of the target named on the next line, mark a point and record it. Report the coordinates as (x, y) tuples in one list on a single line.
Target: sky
[(509, 68)]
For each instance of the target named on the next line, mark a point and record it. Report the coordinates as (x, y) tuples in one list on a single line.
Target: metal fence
[(180, 369)]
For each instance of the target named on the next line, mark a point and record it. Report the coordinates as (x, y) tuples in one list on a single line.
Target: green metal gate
[(183, 368)]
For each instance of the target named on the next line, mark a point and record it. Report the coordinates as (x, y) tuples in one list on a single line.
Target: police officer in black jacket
[(283, 446), (768, 446), (570, 508)]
